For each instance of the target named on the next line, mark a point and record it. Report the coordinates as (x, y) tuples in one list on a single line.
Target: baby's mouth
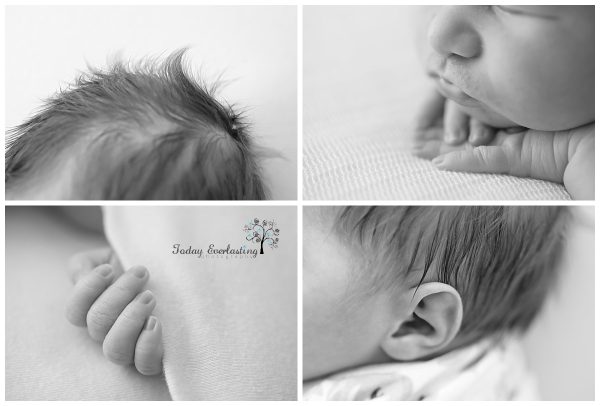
[(453, 92)]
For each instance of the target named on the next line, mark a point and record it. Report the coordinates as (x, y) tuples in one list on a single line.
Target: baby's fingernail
[(438, 160), (104, 270), (140, 272), (146, 297), (151, 323)]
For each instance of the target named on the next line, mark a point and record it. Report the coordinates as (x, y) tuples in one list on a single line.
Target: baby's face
[(531, 66), (342, 323)]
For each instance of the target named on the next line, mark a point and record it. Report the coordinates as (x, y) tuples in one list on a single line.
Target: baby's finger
[(456, 124), (84, 262), (119, 344), (107, 308), (480, 159), (431, 110), (87, 289), (149, 348), (480, 133), (429, 149)]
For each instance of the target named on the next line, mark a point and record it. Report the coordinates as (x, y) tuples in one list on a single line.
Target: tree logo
[(263, 232)]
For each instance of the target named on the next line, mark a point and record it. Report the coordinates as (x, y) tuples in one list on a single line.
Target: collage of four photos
[(299, 202)]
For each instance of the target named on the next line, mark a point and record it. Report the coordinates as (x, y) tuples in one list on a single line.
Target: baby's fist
[(117, 312)]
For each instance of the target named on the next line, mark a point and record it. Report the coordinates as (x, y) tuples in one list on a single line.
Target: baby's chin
[(489, 117)]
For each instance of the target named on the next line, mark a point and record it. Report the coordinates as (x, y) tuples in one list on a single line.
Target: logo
[(258, 233), (262, 232)]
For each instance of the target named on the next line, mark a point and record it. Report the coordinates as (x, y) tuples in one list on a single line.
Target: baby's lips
[(452, 92), (514, 130)]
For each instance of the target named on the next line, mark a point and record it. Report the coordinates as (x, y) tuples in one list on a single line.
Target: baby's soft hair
[(501, 260), (138, 131)]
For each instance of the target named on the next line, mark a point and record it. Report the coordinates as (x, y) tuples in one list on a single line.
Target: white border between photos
[(299, 203)]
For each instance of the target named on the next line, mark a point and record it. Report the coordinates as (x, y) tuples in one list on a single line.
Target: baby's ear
[(435, 316)]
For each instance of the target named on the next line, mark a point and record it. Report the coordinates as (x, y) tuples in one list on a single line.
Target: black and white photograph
[(151, 103), (448, 102), (487, 303), (151, 303), (299, 201)]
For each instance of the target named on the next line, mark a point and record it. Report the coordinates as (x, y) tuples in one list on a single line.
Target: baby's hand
[(441, 116), (562, 156), (115, 310)]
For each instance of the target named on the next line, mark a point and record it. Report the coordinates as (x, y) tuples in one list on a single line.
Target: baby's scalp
[(499, 259)]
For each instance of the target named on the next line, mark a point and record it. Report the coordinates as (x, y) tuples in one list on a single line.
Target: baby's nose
[(451, 32)]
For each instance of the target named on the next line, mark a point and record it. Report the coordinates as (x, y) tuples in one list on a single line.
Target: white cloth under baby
[(483, 371), (229, 325)]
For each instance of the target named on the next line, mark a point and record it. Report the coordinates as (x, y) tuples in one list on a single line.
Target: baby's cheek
[(547, 82)]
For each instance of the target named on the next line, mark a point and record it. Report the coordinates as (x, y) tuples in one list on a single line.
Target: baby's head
[(392, 283), (531, 66), (148, 131)]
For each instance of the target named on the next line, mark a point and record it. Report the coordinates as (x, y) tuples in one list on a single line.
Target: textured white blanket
[(229, 324)]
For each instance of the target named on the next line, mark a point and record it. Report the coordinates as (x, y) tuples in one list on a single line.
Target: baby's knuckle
[(481, 154), (122, 290), (98, 321), (131, 314), (116, 353)]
